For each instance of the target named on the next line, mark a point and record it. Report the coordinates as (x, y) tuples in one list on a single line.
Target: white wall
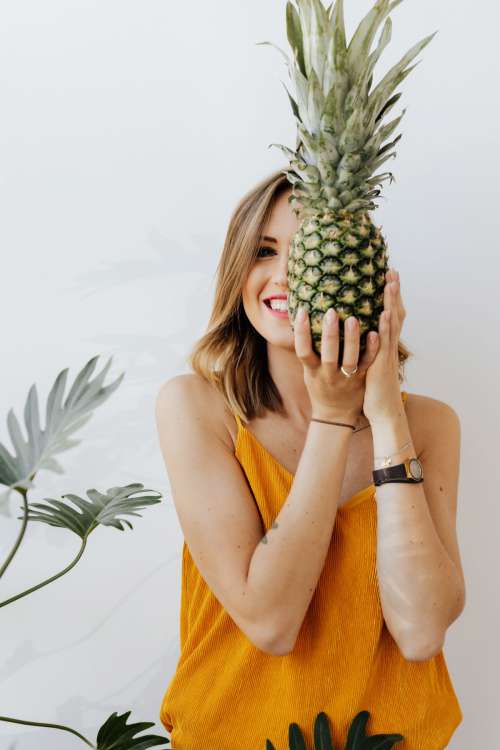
[(128, 132)]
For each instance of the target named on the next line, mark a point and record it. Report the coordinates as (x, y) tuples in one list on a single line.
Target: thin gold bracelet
[(387, 459)]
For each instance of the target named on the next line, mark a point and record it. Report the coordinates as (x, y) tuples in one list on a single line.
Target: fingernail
[(301, 315), (329, 315)]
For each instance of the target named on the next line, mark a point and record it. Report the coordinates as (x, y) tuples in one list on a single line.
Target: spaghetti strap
[(239, 426)]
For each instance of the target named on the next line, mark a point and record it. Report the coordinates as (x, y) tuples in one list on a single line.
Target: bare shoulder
[(194, 397), (426, 415), (425, 407)]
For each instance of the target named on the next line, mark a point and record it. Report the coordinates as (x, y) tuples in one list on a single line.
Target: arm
[(265, 581), (286, 565), (421, 581)]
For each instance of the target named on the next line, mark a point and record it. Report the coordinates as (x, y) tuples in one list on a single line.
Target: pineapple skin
[(337, 259)]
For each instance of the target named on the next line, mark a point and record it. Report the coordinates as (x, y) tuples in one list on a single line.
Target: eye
[(261, 249)]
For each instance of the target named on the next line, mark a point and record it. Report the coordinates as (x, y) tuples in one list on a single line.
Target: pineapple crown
[(340, 136)]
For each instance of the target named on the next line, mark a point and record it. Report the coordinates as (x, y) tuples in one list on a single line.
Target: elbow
[(417, 649), (273, 643), (421, 647), (276, 648)]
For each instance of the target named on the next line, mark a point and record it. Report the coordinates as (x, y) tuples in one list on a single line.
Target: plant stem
[(49, 580), (51, 726), (20, 536)]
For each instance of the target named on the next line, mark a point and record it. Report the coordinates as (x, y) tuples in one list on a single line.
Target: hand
[(332, 394), (382, 395)]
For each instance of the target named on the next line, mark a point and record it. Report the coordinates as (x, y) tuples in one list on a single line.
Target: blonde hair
[(232, 355)]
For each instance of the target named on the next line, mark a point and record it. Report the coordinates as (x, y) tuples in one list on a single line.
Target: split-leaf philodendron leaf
[(61, 420), (116, 735), (100, 509)]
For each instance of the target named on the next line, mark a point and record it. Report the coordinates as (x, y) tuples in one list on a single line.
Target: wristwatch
[(410, 471)]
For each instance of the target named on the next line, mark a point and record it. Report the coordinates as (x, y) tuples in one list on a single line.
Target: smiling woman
[(280, 579)]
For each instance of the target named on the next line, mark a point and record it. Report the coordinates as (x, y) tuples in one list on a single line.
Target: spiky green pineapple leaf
[(293, 103), (61, 420), (395, 76), (362, 39), (294, 33), (334, 97), (116, 735), (389, 105), (103, 509)]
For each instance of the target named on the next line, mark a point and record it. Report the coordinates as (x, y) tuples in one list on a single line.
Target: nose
[(280, 275)]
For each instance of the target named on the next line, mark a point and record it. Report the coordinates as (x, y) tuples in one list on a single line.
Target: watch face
[(416, 468)]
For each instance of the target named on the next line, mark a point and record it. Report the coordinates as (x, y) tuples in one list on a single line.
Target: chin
[(282, 342)]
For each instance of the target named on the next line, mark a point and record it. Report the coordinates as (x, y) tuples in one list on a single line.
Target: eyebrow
[(269, 239)]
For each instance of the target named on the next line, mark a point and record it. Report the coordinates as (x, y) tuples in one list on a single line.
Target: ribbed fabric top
[(226, 694)]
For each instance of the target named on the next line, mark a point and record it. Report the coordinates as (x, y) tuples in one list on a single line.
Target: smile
[(276, 313)]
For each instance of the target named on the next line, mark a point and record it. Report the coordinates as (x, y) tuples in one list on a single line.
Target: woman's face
[(269, 276)]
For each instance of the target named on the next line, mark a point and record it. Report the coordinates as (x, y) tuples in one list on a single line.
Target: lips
[(277, 313), (275, 296)]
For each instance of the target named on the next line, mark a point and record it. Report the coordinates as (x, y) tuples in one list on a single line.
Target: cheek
[(251, 287)]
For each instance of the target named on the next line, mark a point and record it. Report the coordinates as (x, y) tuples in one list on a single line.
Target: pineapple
[(338, 258), (356, 737)]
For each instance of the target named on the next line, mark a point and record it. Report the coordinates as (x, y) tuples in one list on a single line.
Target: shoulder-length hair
[(232, 355)]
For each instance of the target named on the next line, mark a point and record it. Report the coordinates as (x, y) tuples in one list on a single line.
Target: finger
[(330, 339), (384, 331), (370, 352), (390, 304), (303, 341), (401, 307), (351, 343), (393, 275), (391, 297), (393, 307), (398, 315)]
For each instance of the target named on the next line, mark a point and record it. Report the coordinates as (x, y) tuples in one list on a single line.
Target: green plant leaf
[(296, 738), (322, 737), (357, 731), (356, 737), (38, 450), (103, 509), (116, 735)]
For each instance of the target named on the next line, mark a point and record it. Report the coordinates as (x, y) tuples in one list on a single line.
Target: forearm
[(286, 565), (420, 588)]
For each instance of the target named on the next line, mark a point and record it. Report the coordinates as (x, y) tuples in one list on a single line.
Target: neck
[(287, 373)]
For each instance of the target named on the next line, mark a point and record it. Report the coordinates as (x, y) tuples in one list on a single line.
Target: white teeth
[(279, 304)]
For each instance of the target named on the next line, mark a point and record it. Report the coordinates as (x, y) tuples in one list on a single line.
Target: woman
[(302, 590)]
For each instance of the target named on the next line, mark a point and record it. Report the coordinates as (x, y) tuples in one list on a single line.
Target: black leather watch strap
[(393, 474)]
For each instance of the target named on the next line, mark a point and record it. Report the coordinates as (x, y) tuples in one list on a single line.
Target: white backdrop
[(128, 132)]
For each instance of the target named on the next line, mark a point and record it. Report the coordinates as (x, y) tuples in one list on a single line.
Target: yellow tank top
[(226, 694)]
